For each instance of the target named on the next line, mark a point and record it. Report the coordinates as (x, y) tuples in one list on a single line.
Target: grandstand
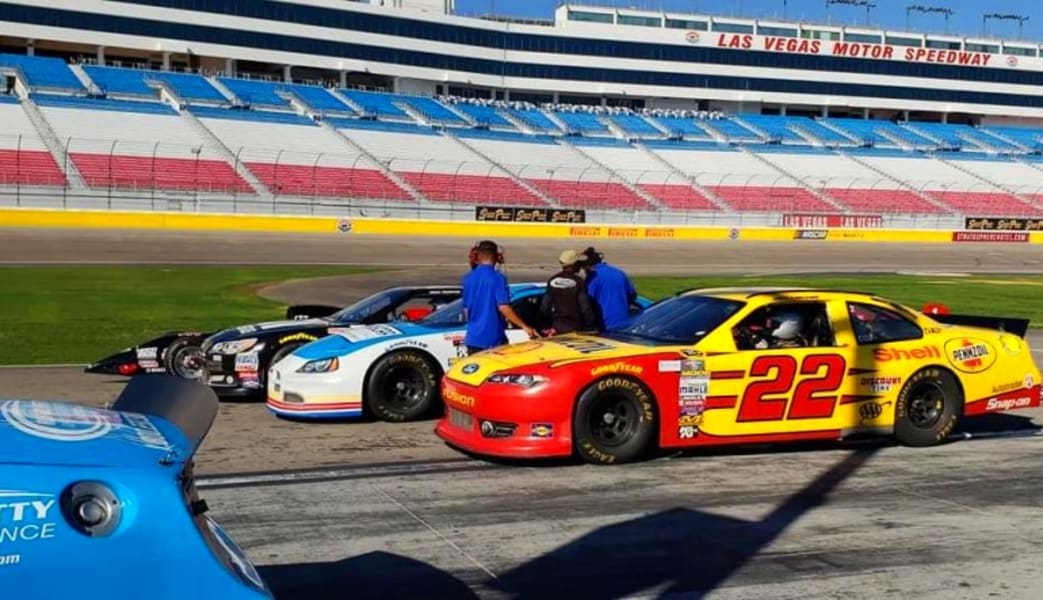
[(452, 141)]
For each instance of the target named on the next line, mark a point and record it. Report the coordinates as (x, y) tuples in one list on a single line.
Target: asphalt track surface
[(374, 510)]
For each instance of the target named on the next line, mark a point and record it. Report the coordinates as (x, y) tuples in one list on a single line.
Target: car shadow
[(678, 551)]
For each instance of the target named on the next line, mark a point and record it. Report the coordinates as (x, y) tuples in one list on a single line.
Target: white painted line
[(986, 435), (325, 474), (439, 534), (227, 263), (57, 366)]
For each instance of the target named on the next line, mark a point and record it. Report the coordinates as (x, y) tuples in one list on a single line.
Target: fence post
[(155, 149), (112, 157), (276, 186)]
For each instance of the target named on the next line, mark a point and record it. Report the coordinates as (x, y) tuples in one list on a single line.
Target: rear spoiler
[(188, 405), (1018, 327)]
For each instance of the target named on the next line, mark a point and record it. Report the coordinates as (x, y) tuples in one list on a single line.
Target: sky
[(891, 14)]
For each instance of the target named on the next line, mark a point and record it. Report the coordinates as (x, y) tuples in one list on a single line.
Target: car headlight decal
[(234, 346), (324, 365), (521, 379)]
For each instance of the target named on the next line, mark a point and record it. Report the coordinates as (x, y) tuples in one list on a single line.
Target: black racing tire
[(929, 407), (615, 421), (184, 358), (402, 386)]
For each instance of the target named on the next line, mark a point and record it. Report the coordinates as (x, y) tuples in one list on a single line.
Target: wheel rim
[(404, 387), (189, 363), (613, 420), (926, 405)]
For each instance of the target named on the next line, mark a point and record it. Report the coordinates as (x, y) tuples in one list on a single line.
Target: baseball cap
[(569, 257)]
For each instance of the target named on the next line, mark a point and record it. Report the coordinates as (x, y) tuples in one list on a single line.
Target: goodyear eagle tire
[(403, 386), (614, 421), (184, 358), (929, 406)]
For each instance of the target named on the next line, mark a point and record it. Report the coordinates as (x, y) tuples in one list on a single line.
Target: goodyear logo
[(297, 337), (457, 398), (616, 367)]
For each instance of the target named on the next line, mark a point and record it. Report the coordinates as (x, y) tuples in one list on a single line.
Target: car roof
[(745, 293)]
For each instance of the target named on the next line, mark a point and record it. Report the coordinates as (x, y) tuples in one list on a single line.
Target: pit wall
[(390, 227)]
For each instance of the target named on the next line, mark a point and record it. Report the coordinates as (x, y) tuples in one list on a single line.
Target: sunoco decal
[(970, 355)]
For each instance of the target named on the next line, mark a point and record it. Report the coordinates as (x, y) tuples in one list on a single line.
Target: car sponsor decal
[(922, 353), (362, 333), (149, 353), (970, 355), (616, 367), (585, 346), (455, 397), (298, 337), (470, 368), (542, 430), (247, 363), (879, 384), (670, 366), (407, 344), (25, 517), (782, 396), (63, 422)]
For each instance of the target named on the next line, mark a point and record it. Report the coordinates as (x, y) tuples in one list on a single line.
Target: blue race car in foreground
[(102, 503)]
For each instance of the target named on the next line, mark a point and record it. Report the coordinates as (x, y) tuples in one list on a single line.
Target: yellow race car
[(740, 365)]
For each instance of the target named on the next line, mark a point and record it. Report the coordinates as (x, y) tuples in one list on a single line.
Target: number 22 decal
[(766, 400)]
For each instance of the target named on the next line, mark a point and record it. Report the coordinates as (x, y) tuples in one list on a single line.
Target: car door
[(793, 385), (528, 308)]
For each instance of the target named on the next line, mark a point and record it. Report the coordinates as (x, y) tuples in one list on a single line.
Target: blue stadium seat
[(535, 119), (683, 126), (189, 86), (635, 125), (581, 122), (57, 101), (42, 72), (376, 103), (484, 115), (320, 99), (255, 92), (432, 109), (733, 131), (504, 136), (264, 116), (776, 126), (113, 80), (391, 126)]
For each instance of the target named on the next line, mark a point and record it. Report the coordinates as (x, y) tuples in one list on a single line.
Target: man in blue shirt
[(610, 289), (487, 301)]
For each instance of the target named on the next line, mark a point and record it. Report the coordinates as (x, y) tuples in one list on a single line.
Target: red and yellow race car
[(740, 365)]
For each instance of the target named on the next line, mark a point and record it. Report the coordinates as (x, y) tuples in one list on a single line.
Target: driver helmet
[(787, 325)]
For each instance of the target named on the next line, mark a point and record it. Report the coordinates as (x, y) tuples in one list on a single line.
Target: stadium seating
[(432, 110), (24, 159), (321, 99), (159, 151), (298, 158), (775, 127), (188, 86), (732, 131), (581, 122), (484, 115), (266, 116), (127, 82), (534, 119), (636, 126), (42, 73), (683, 126), (255, 92), (441, 168), (375, 103), (1031, 139)]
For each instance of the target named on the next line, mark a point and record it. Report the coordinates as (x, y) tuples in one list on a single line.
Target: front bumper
[(296, 396), (538, 426), (226, 380)]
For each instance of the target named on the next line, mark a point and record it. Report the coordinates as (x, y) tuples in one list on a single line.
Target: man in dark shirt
[(610, 289), (487, 301), (565, 303)]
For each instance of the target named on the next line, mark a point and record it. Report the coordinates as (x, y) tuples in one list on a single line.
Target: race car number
[(768, 399)]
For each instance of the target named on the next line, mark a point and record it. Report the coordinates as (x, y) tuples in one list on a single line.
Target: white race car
[(393, 370)]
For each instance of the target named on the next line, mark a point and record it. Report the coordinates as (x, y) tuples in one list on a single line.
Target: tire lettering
[(767, 399)]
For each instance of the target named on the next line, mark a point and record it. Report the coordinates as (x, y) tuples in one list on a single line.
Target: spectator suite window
[(988, 48), (686, 24), (901, 41), (862, 38), (777, 31), (1016, 51), (640, 21), (820, 34), (589, 17), (732, 28), (944, 44)]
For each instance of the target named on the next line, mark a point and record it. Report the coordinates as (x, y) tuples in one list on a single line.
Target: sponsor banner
[(518, 214), (810, 234), (1005, 224), (1007, 237), (806, 221)]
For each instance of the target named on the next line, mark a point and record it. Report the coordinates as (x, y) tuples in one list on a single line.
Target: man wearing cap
[(487, 301), (610, 289), (565, 303)]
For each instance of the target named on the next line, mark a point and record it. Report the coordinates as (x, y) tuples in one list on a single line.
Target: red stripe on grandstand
[(146, 172), (448, 187), (678, 197), (883, 201), (33, 167), (344, 182), (772, 199), (592, 194), (995, 203)]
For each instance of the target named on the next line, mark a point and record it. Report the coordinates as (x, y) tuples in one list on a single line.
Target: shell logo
[(692, 37), (970, 355), (1012, 61)]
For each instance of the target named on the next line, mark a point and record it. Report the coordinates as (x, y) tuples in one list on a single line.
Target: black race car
[(181, 353), (237, 359)]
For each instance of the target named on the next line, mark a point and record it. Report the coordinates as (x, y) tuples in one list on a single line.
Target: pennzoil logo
[(617, 367), (970, 355), (457, 398)]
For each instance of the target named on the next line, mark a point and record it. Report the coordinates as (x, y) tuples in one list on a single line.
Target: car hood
[(62, 433), (558, 350), (266, 328), (345, 340)]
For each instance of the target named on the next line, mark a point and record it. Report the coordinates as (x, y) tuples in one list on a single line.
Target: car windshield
[(366, 307), (449, 314), (680, 320)]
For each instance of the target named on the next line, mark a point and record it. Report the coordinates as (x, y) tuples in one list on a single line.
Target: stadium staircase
[(395, 178), (838, 130), (703, 191), (613, 128), (562, 125), (550, 200), (811, 137), (819, 194), (649, 198), (764, 135), (513, 120), (54, 145), (348, 102), (214, 142), (1006, 139), (941, 206), (924, 134), (415, 114), (227, 93), (88, 84)]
